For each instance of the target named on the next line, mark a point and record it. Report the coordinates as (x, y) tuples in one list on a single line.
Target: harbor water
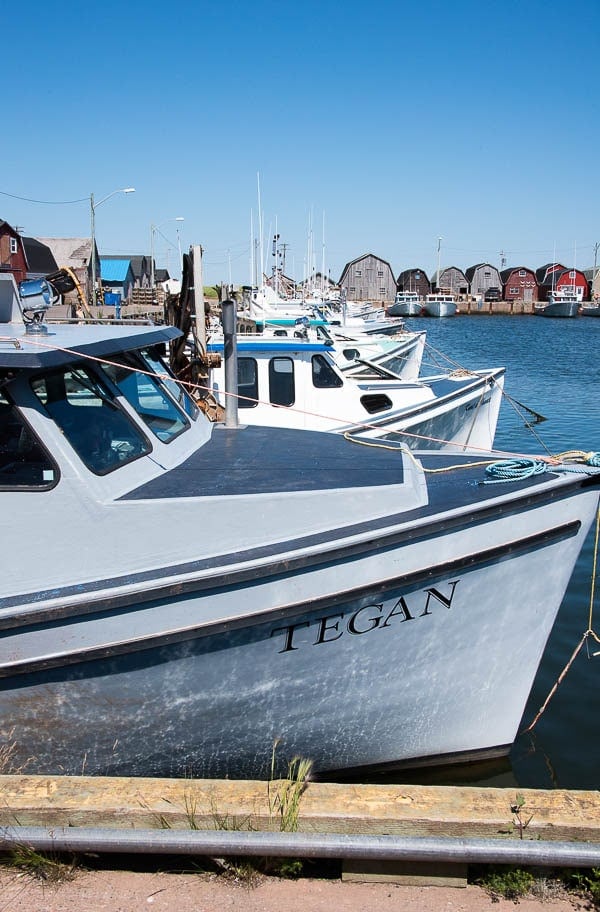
[(552, 368)]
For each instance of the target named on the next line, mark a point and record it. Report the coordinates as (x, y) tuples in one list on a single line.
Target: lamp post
[(153, 230), (93, 207)]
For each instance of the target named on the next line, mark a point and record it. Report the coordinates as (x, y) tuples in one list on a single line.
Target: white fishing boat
[(178, 596), (296, 384), (406, 304), (356, 354), (440, 305), (559, 304), (590, 309)]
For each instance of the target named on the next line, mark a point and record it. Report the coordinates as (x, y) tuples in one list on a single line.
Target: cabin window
[(24, 463), (522, 272), (146, 395), (14, 247), (100, 432), (281, 381), (376, 402), (154, 363), (324, 375), (247, 383)]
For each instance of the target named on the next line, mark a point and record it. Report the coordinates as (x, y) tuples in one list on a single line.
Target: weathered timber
[(405, 810)]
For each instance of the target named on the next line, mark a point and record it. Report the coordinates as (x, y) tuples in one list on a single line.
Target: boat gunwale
[(16, 612), (408, 582)]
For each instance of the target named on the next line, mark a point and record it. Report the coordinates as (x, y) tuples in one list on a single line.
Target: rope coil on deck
[(514, 470), (520, 468)]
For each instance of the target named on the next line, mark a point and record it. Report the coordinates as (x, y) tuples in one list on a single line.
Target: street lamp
[(93, 207), (153, 230)]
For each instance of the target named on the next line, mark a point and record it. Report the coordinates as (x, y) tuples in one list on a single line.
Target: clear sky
[(390, 123)]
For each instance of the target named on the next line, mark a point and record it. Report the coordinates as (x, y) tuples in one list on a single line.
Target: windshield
[(154, 363), (85, 410), (149, 399)]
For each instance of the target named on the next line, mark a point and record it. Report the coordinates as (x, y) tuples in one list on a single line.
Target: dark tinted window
[(323, 374), (247, 383), (281, 381), (24, 463)]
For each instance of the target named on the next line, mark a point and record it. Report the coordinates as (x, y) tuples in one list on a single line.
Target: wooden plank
[(408, 810), (407, 873)]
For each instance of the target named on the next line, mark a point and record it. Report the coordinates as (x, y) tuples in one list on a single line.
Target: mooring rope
[(589, 633)]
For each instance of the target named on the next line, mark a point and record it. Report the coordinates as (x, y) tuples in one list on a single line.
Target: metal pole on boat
[(196, 251), (229, 318)]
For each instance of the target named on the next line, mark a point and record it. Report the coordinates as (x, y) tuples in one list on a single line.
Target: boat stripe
[(85, 598), (409, 582)]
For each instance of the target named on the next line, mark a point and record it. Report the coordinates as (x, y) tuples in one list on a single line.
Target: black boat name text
[(374, 616)]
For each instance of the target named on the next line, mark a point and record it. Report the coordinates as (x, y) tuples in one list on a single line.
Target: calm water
[(553, 367)]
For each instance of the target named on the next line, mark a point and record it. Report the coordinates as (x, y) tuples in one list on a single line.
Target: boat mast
[(438, 263), (323, 260), (252, 255), (260, 233)]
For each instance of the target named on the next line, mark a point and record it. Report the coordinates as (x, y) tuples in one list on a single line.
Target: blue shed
[(117, 276)]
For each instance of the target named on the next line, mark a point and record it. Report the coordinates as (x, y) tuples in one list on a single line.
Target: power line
[(26, 199)]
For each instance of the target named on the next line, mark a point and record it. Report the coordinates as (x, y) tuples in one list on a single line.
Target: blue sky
[(391, 124)]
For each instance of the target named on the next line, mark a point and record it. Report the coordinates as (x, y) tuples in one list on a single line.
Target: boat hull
[(405, 309), (399, 652), (563, 309), (590, 310), (439, 309)]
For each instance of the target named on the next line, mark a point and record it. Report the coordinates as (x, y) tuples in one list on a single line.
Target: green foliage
[(41, 865), (508, 882), (518, 818), (585, 881)]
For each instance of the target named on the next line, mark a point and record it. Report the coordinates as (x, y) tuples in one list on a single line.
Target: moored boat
[(440, 305), (406, 304), (177, 596), (559, 304), (590, 309), (296, 384)]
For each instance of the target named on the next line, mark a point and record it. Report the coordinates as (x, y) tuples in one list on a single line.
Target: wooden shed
[(482, 277), (546, 278), (519, 284), (414, 280), (451, 280), (75, 253), (369, 278)]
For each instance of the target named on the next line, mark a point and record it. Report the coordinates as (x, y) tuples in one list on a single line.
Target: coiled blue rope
[(520, 468), (514, 470)]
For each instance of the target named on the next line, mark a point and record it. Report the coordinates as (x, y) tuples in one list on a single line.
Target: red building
[(12, 252), (572, 281), (519, 284)]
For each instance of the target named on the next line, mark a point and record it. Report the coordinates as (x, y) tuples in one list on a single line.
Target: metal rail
[(303, 845)]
